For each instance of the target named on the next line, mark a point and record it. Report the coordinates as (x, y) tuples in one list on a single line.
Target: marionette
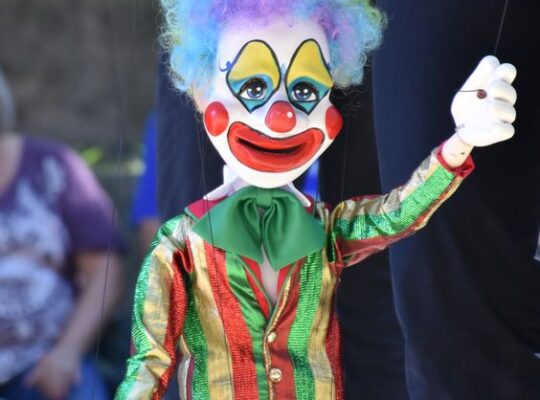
[(243, 283)]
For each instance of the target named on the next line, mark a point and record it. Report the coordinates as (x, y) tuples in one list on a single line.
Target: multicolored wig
[(192, 27)]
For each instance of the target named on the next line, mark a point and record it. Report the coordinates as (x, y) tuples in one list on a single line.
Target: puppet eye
[(254, 89), (254, 76), (305, 92), (308, 78)]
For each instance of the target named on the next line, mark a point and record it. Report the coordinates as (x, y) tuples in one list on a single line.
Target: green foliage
[(92, 155)]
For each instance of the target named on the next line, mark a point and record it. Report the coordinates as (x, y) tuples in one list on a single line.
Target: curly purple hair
[(191, 29)]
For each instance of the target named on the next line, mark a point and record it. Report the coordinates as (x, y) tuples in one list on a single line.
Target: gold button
[(272, 336), (275, 375)]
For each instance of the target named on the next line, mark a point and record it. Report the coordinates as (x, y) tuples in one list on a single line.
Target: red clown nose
[(281, 117)]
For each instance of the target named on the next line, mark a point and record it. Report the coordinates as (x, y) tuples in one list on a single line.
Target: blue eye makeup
[(254, 75), (254, 89), (305, 93), (253, 92), (308, 78)]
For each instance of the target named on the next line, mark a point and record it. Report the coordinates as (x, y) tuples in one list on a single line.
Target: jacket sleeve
[(158, 317), (365, 225)]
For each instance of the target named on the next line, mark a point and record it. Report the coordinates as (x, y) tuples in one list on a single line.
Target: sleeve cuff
[(462, 171)]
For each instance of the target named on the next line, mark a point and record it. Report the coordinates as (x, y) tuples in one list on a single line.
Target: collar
[(231, 184)]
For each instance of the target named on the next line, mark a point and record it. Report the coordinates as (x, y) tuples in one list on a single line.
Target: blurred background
[(83, 73)]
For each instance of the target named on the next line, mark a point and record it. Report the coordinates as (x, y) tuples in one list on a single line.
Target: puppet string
[(122, 124), (481, 92), (344, 158), (317, 189), (202, 147), (501, 25)]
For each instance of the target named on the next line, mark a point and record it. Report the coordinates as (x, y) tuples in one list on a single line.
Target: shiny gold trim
[(219, 357), (156, 310), (420, 175), (282, 301), (318, 359), (385, 204)]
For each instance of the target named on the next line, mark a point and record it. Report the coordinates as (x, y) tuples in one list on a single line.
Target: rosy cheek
[(216, 118), (334, 122)]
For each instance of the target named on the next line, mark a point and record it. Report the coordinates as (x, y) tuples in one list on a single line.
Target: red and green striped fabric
[(211, 304)]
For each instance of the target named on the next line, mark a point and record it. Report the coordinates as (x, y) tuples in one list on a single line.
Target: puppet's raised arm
[(158, 317), (365, 225), (483, 111)]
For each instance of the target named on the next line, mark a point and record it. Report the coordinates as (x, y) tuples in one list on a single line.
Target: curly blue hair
[(191, 29)]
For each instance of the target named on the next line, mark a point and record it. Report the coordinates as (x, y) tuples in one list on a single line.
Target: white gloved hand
[(484, 121)]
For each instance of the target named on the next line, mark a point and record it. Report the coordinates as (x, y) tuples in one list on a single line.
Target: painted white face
[(268, 111)]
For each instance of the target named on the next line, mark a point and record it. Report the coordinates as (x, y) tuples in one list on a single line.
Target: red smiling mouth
[(263, 153)]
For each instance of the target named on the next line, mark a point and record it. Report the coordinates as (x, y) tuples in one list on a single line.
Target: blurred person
[(467, 288), (55, 228)]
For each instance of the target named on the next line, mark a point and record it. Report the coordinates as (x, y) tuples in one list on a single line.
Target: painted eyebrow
[(268, 67), (320, 76), (230, 65), (320, 53)]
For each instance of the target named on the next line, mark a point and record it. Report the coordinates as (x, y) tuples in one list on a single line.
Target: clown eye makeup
[(254, 76), (304, 92), (254, 89), (308, 78)]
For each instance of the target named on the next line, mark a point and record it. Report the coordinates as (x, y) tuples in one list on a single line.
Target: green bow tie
[(255, 217)]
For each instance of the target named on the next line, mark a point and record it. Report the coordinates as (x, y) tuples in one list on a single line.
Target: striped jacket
[(209, 303)]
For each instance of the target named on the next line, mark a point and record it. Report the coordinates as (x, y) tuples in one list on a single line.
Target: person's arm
[(100, 285), (86, 211), (55, 374), (159, 312)]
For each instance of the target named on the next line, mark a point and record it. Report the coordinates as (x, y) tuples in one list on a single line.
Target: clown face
[(268, 111)]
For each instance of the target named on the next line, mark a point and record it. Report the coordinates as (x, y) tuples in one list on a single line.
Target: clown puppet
[(243, 283)]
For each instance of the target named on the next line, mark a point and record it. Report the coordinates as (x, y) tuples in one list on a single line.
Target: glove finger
[(506, 72), (482, 74), (502, 131), (501, 90), (502, 111)]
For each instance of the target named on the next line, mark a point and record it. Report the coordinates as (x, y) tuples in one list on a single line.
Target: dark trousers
[(467, 288)]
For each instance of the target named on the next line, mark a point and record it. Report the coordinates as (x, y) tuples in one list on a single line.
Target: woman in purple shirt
[(55, 228)]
